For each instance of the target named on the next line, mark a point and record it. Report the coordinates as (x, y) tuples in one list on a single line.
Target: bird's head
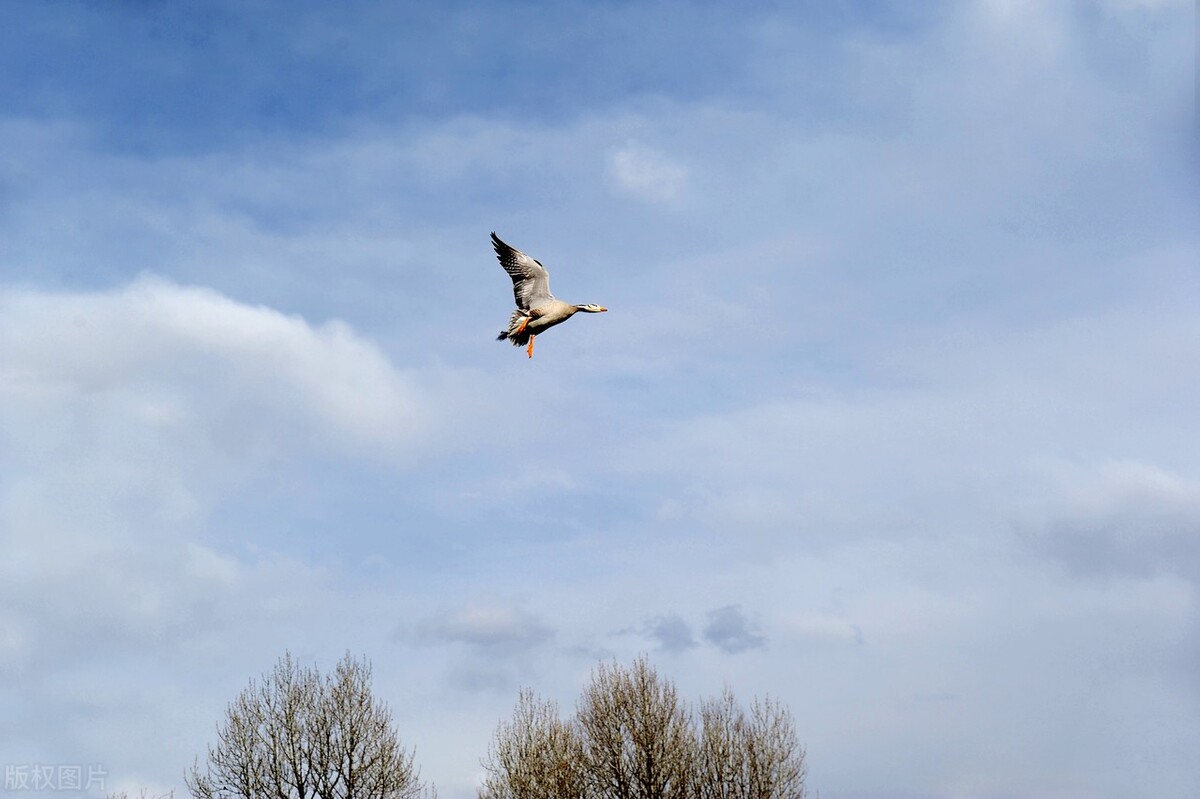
[(591, 308)]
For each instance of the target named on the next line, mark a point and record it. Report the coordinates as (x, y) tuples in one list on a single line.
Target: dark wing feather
[(531, 281)]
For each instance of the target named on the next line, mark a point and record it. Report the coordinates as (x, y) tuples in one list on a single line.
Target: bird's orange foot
[(529, 349), (521, 327)]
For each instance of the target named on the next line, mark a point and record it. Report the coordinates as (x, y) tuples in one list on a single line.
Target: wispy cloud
[(645, 173), (1123, 518), (497, 629)]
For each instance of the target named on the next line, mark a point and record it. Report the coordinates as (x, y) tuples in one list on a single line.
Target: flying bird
[(537, 309)]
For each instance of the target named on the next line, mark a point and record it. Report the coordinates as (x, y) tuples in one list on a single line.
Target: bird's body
[(537, 309)]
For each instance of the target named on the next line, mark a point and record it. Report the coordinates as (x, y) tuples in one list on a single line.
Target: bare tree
[(637, 734), (299, 735), (535, 756), (748, 757), (633, 738)]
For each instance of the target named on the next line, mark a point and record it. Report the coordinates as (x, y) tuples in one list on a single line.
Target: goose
[(537, 309)]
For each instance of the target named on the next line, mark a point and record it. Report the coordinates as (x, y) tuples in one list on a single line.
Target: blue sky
[(892, 416)]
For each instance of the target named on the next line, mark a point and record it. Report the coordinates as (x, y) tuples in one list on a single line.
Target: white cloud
[(493, 627), (128, 418), (1035, 29), (647, 174), (487, 646), (820, 628), (166, 356)]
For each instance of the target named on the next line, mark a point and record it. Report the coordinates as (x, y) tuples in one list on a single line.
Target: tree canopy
[(632, 737), (299, 734)]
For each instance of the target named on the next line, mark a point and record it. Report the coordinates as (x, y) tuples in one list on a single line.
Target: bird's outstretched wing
[(531, 281)]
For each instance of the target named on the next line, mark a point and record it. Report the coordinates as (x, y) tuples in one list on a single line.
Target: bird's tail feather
[(510, 333)]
